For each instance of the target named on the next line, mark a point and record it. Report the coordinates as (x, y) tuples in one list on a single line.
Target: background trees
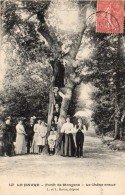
[(27, 79), (107, 67), (29, 28), (39, 43)]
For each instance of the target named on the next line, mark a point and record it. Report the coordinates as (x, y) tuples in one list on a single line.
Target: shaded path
[(97, 157), (100, 172)]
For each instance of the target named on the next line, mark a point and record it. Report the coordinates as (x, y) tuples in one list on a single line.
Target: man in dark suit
[(79, 128), (30, 133)]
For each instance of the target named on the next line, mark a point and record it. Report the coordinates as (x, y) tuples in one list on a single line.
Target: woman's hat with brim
[(21, 119), (33, 117), (8, 118), (55, 88), (38, 118), (68, 116)]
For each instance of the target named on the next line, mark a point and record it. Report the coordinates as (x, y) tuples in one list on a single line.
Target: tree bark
[(51, 107), (117, 86), (70, 75)]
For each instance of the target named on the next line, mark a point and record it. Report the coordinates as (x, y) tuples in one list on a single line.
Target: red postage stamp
[(110, 16)]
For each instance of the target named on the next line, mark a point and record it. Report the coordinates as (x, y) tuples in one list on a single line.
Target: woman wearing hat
[(39, 139), (42, 136), (68, 145), (20, 138), (35, 147), (8, 137)]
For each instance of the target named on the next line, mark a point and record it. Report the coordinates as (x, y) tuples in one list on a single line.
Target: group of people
[(33, 137), (72, 138), (24, 137)]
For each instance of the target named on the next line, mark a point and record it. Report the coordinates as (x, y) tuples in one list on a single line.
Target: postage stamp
[(110, 16)]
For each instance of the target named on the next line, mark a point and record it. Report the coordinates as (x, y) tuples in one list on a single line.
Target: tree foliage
[(33, 40), (27, 79), (36, 45), (107, 67)]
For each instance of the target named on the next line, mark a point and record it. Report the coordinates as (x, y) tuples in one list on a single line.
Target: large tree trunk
[(63, 114), (58, 69), (51, 107), (66, 92), (117, 87)]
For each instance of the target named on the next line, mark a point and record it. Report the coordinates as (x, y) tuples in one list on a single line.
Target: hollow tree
[(66, 69), (65, 76)]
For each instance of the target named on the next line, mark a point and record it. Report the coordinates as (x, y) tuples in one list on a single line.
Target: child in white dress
[(52, 142)]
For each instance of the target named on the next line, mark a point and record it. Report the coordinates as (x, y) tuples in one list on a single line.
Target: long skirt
[(8, 143), (41, 141), (35, 147), (20, 144), (68, 145)]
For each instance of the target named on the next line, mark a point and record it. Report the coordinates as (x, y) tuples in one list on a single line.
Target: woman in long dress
[(20, 138), (42, 136), (67, 145), (35, 146)]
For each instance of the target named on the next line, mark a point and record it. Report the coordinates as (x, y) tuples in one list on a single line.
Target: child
[(52, 141)]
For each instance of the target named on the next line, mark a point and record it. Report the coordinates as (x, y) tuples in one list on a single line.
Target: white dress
[(52, 141), (35, 148), (67, 145), (20, 139), (39, 137), (42, 135)]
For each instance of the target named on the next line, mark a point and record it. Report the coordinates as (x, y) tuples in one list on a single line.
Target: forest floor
[(99, 165)]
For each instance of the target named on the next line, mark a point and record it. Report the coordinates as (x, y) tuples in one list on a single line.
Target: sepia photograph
[(62, 97)]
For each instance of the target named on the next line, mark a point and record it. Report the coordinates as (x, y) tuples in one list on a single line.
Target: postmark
[(110, 16)]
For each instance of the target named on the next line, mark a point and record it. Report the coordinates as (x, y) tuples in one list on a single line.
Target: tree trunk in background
[(63, 113), (51, 107), (117, 85), (61, 73), (116, 129), (65, 105)]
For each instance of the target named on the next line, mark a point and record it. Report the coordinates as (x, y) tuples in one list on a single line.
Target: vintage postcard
[(62, 97)]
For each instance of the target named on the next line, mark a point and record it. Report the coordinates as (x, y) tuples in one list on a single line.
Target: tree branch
[(75, 47), (48, 33), (31, 15), (78, 39)]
